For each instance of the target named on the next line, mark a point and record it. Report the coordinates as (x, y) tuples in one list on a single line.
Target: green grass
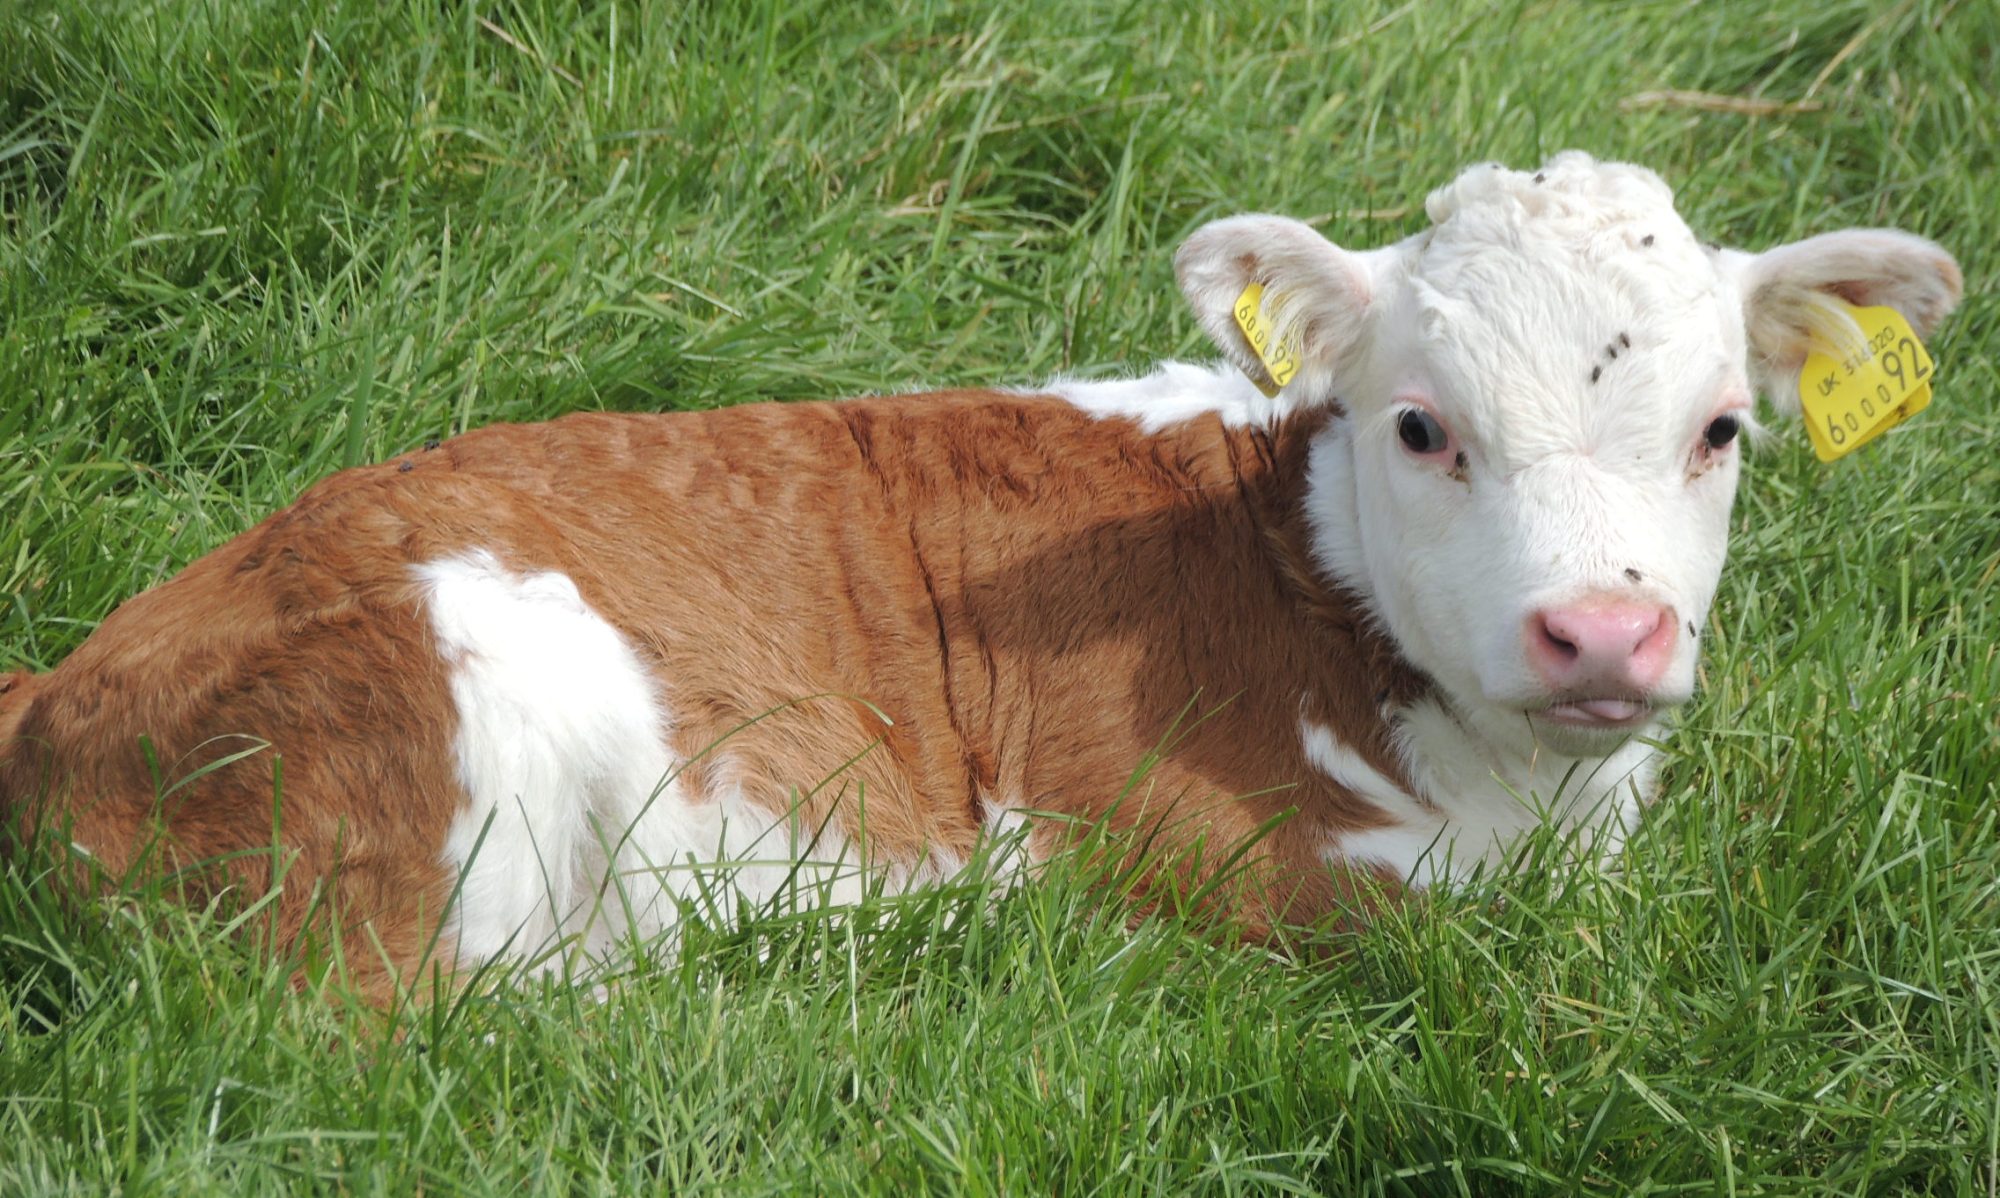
[(243, 244)]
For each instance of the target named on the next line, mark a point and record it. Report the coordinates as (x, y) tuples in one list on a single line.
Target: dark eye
[(1420, 431), (1721, 431)]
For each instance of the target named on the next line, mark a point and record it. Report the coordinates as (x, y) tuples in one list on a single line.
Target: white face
[(1544, 394), (1544, 452)]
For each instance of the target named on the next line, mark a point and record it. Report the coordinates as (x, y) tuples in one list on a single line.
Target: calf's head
[(1544, 397)]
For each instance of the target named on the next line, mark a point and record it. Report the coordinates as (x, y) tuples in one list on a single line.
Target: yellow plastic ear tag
[(1852, 398), (1280, 363)]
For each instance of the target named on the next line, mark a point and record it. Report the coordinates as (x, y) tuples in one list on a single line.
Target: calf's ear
[(1788, 295), (1316, 298)]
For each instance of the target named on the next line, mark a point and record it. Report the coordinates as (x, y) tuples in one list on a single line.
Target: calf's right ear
[(1316, 295)]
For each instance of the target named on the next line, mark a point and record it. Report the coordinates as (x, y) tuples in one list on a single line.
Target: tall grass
[(244, 244)]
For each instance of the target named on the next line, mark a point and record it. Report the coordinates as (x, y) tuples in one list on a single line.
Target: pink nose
[(1602, 647)]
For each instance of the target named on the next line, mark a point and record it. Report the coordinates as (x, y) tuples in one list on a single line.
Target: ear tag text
[(1853, 397), (1280, 362)]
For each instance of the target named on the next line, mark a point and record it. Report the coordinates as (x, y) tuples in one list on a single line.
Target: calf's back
[(862, 633)]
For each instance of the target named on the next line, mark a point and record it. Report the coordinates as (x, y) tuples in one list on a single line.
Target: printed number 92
[(1893, 365)]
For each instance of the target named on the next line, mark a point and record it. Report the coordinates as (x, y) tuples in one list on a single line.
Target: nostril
[(1554, 643)]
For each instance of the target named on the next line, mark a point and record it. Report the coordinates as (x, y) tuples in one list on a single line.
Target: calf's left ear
[(1787, 294), (1317, 296)]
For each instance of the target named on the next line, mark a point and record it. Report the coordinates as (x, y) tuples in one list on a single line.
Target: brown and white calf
[(1440, 589)]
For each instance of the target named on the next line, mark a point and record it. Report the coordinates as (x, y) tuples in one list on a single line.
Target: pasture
[(244, 245)]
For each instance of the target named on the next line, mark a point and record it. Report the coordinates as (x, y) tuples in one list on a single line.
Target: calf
[(1442, 586)]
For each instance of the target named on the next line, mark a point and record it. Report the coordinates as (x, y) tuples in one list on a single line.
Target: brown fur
[(1036, 599), (17, 690)]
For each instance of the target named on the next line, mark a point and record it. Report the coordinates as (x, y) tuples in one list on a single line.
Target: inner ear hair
[(1790, 318), (1865, 267)]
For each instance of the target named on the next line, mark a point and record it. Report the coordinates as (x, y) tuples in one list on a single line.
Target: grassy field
[(243, 244)]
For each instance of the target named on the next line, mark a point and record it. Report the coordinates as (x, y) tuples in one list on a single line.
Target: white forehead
[(1568, 308)]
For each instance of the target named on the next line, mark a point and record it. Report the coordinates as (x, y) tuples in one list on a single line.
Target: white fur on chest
[(1473, 802)]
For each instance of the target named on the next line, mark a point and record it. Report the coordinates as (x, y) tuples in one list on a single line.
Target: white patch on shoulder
[(1173, 392), (577, 827), (1477, 801)]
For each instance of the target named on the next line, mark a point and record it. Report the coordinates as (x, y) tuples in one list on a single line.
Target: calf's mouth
[(1600, 713)]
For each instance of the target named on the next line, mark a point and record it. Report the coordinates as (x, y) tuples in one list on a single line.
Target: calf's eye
[(1420, 431), (1721, 431)]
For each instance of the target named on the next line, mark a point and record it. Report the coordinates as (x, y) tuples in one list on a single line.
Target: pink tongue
[(1611, 711)]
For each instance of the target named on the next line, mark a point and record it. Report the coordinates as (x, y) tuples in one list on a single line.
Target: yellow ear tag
[(1280, 363), (1852, 398)]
